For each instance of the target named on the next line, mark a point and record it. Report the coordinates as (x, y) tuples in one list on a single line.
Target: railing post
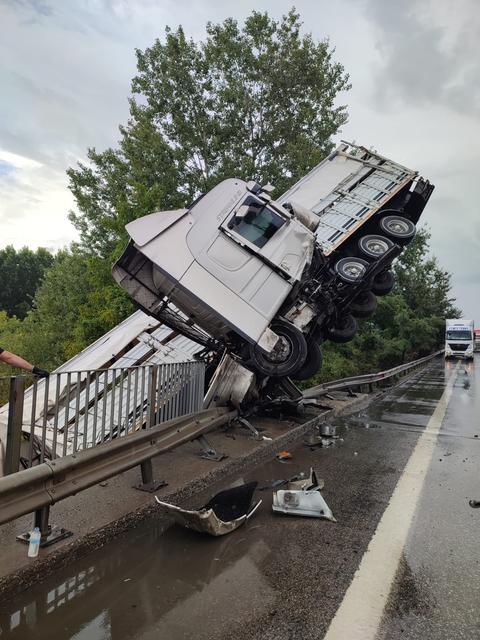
[(40, 520), (14, 426), (148, 481), (49, 534), (152, 394)]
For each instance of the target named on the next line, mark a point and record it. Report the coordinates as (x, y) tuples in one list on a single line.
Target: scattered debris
[(273, 485), (302, 497), (284, 455), (475, 504), (328, 430), (322, 436), (327, 442), (306, 483), (224, 513), (313, 439)]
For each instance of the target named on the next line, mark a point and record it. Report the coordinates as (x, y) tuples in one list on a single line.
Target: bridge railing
[(77, 410)]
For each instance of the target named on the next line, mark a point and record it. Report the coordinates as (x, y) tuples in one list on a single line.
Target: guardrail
[(44, 485), (368, 378)]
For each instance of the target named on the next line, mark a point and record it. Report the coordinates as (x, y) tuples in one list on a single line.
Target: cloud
[(429, 52)]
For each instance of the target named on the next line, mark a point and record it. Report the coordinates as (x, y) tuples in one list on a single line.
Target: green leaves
[(253, 101), (22, 271)]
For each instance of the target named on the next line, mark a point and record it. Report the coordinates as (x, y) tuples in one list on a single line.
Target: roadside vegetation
[(259, 100)]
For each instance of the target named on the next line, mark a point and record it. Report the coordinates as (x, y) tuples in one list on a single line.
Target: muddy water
[(169, 583)]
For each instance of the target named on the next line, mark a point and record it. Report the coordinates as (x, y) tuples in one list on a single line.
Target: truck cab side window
[(257, 223)]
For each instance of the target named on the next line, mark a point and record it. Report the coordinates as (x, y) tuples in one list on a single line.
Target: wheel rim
[(353, 269), (399, 227), (282, 351), (376, 246)]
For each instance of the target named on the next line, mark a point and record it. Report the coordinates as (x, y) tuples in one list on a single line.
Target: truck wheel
[(397, 228), (350, 270), (372, 247), (287, 357), (312, 364), (344, 331), (383, 283), (364, 305)]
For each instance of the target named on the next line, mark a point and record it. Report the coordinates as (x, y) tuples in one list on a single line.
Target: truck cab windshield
[(256, 223), (459, 335)]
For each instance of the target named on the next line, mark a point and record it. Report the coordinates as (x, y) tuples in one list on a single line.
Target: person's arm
[(16, 361)]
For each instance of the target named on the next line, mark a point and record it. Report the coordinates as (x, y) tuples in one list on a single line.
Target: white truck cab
[(269, 280), (228, 262), (459, 339)]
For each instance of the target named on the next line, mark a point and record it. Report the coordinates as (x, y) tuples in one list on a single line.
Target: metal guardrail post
[(149, 483), (14, 426), (152, 394), (48, 534)]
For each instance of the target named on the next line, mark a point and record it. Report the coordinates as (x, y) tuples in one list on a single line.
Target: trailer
[(268, 281), (477, 340)]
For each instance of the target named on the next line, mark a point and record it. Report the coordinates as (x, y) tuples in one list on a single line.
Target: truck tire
[(284, 362), (312, 364), (350, 270), (344, 331), (373, 246), (364, 305), (383, 283), (397, 228)]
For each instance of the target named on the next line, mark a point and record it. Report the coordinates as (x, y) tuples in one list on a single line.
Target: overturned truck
[(268, 281)]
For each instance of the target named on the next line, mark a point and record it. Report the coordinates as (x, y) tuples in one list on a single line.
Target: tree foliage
[(22, 272), (257, 101)]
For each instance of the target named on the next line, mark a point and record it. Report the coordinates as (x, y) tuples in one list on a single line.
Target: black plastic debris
[(224, 513), (232, 503)]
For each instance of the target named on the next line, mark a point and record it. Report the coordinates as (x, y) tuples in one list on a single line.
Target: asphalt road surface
[(402, 560)]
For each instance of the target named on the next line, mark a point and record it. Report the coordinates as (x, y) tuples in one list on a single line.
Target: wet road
[(285, 578)]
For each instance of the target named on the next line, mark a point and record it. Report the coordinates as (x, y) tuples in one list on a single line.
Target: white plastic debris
[(303, 498)]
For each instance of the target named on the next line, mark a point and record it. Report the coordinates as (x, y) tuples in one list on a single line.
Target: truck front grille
[(458, 347)]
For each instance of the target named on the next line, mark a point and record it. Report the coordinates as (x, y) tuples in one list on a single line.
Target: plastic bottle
[(34, 544)]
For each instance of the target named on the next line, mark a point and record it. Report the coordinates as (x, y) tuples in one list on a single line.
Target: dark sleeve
[(1, 350)]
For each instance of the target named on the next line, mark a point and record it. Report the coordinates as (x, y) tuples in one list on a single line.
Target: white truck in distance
[(269, 280), (459, 339)]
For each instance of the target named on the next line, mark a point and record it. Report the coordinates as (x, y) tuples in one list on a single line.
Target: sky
[(414, 65)]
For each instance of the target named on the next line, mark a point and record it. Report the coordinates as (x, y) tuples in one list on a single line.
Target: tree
[(22, 272), (425, 286), (257, 101)]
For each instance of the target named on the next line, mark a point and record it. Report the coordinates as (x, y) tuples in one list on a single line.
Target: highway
[(402, 560)]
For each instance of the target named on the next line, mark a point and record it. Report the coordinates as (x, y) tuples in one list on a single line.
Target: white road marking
[(360, 614)]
